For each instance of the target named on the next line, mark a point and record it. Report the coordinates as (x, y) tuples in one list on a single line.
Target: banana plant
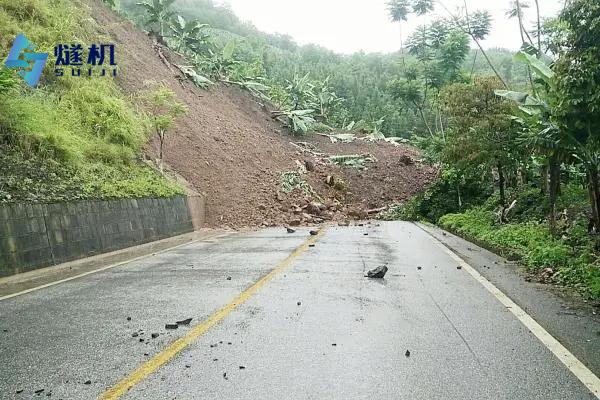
[(188, 34), (158, 13), (299, 121), (540, 133), (301, 92)]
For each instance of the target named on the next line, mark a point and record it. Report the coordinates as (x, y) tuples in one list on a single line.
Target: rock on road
[(315, 328)]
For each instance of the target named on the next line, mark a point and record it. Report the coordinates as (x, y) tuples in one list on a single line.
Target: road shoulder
[(22, 283), (567, 317)]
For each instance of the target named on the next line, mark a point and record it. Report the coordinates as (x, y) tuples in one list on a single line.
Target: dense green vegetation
[(520, 168), (354, 88), (67, 139)]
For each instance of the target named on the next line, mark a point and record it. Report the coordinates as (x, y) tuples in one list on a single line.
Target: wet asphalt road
[(317, 330)]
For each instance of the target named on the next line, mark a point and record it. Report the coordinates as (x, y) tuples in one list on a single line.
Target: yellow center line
[(176, 347)]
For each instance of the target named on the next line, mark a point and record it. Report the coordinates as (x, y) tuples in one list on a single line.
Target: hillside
[(228, 146)]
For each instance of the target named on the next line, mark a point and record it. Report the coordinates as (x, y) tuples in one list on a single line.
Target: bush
[(535, 247)]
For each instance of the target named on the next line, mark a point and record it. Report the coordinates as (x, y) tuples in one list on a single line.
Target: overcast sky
[(348, 26)]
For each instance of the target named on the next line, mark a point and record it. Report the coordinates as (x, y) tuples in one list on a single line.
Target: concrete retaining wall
[(34, 236)]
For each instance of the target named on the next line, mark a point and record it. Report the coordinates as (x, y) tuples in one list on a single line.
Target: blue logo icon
[(23, 58)]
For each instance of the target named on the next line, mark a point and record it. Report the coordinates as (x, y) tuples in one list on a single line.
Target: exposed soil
[(228, 147)]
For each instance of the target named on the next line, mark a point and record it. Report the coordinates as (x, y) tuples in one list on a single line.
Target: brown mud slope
[(229, 147)]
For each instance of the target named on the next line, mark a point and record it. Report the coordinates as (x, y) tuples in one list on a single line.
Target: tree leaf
[(540, 68)]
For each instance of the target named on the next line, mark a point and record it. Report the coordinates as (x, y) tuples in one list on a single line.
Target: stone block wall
[(39, 235)]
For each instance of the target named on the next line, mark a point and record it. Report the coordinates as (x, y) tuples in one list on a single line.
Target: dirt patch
[(228, 147)]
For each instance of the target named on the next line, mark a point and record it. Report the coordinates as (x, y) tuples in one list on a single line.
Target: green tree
[(163, 110), (481, 134)]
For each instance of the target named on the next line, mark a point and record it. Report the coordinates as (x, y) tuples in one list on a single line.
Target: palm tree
[(159, 13), (422, 7), (398, 11)]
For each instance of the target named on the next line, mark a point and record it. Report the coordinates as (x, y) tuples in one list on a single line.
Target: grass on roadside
[(71, 137)]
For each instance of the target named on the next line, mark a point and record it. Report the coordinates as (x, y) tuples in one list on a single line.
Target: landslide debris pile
[(252, 170)]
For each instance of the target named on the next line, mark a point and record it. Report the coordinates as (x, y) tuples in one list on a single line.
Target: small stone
[(185, 321), (155, 335), (291, 230), (334, 344), (215, 359), (128, 318), (229, 343), (312, 245), (314, 233), (242, 367), (135, 334), (146, 354), (225, 375), (38, 391), (299, 303), (377, 273), (188, 366), (88, 382), (228, 278), (419, 268), (407, 354), (366, 234), (459, 267), (171, 326), (19, 391), (141, 340)]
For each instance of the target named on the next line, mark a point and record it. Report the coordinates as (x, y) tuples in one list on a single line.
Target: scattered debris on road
[(185, 321), (290, 230), (314, 233), (242, 367), (299, 303), (228, 278), (459, 267), (171, 326), (154, 335), (88, 382), (377, 273), (407, 354), (128, 318)]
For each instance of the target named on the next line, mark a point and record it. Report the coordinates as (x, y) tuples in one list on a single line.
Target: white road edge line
[(10, 296), (577, 368)]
